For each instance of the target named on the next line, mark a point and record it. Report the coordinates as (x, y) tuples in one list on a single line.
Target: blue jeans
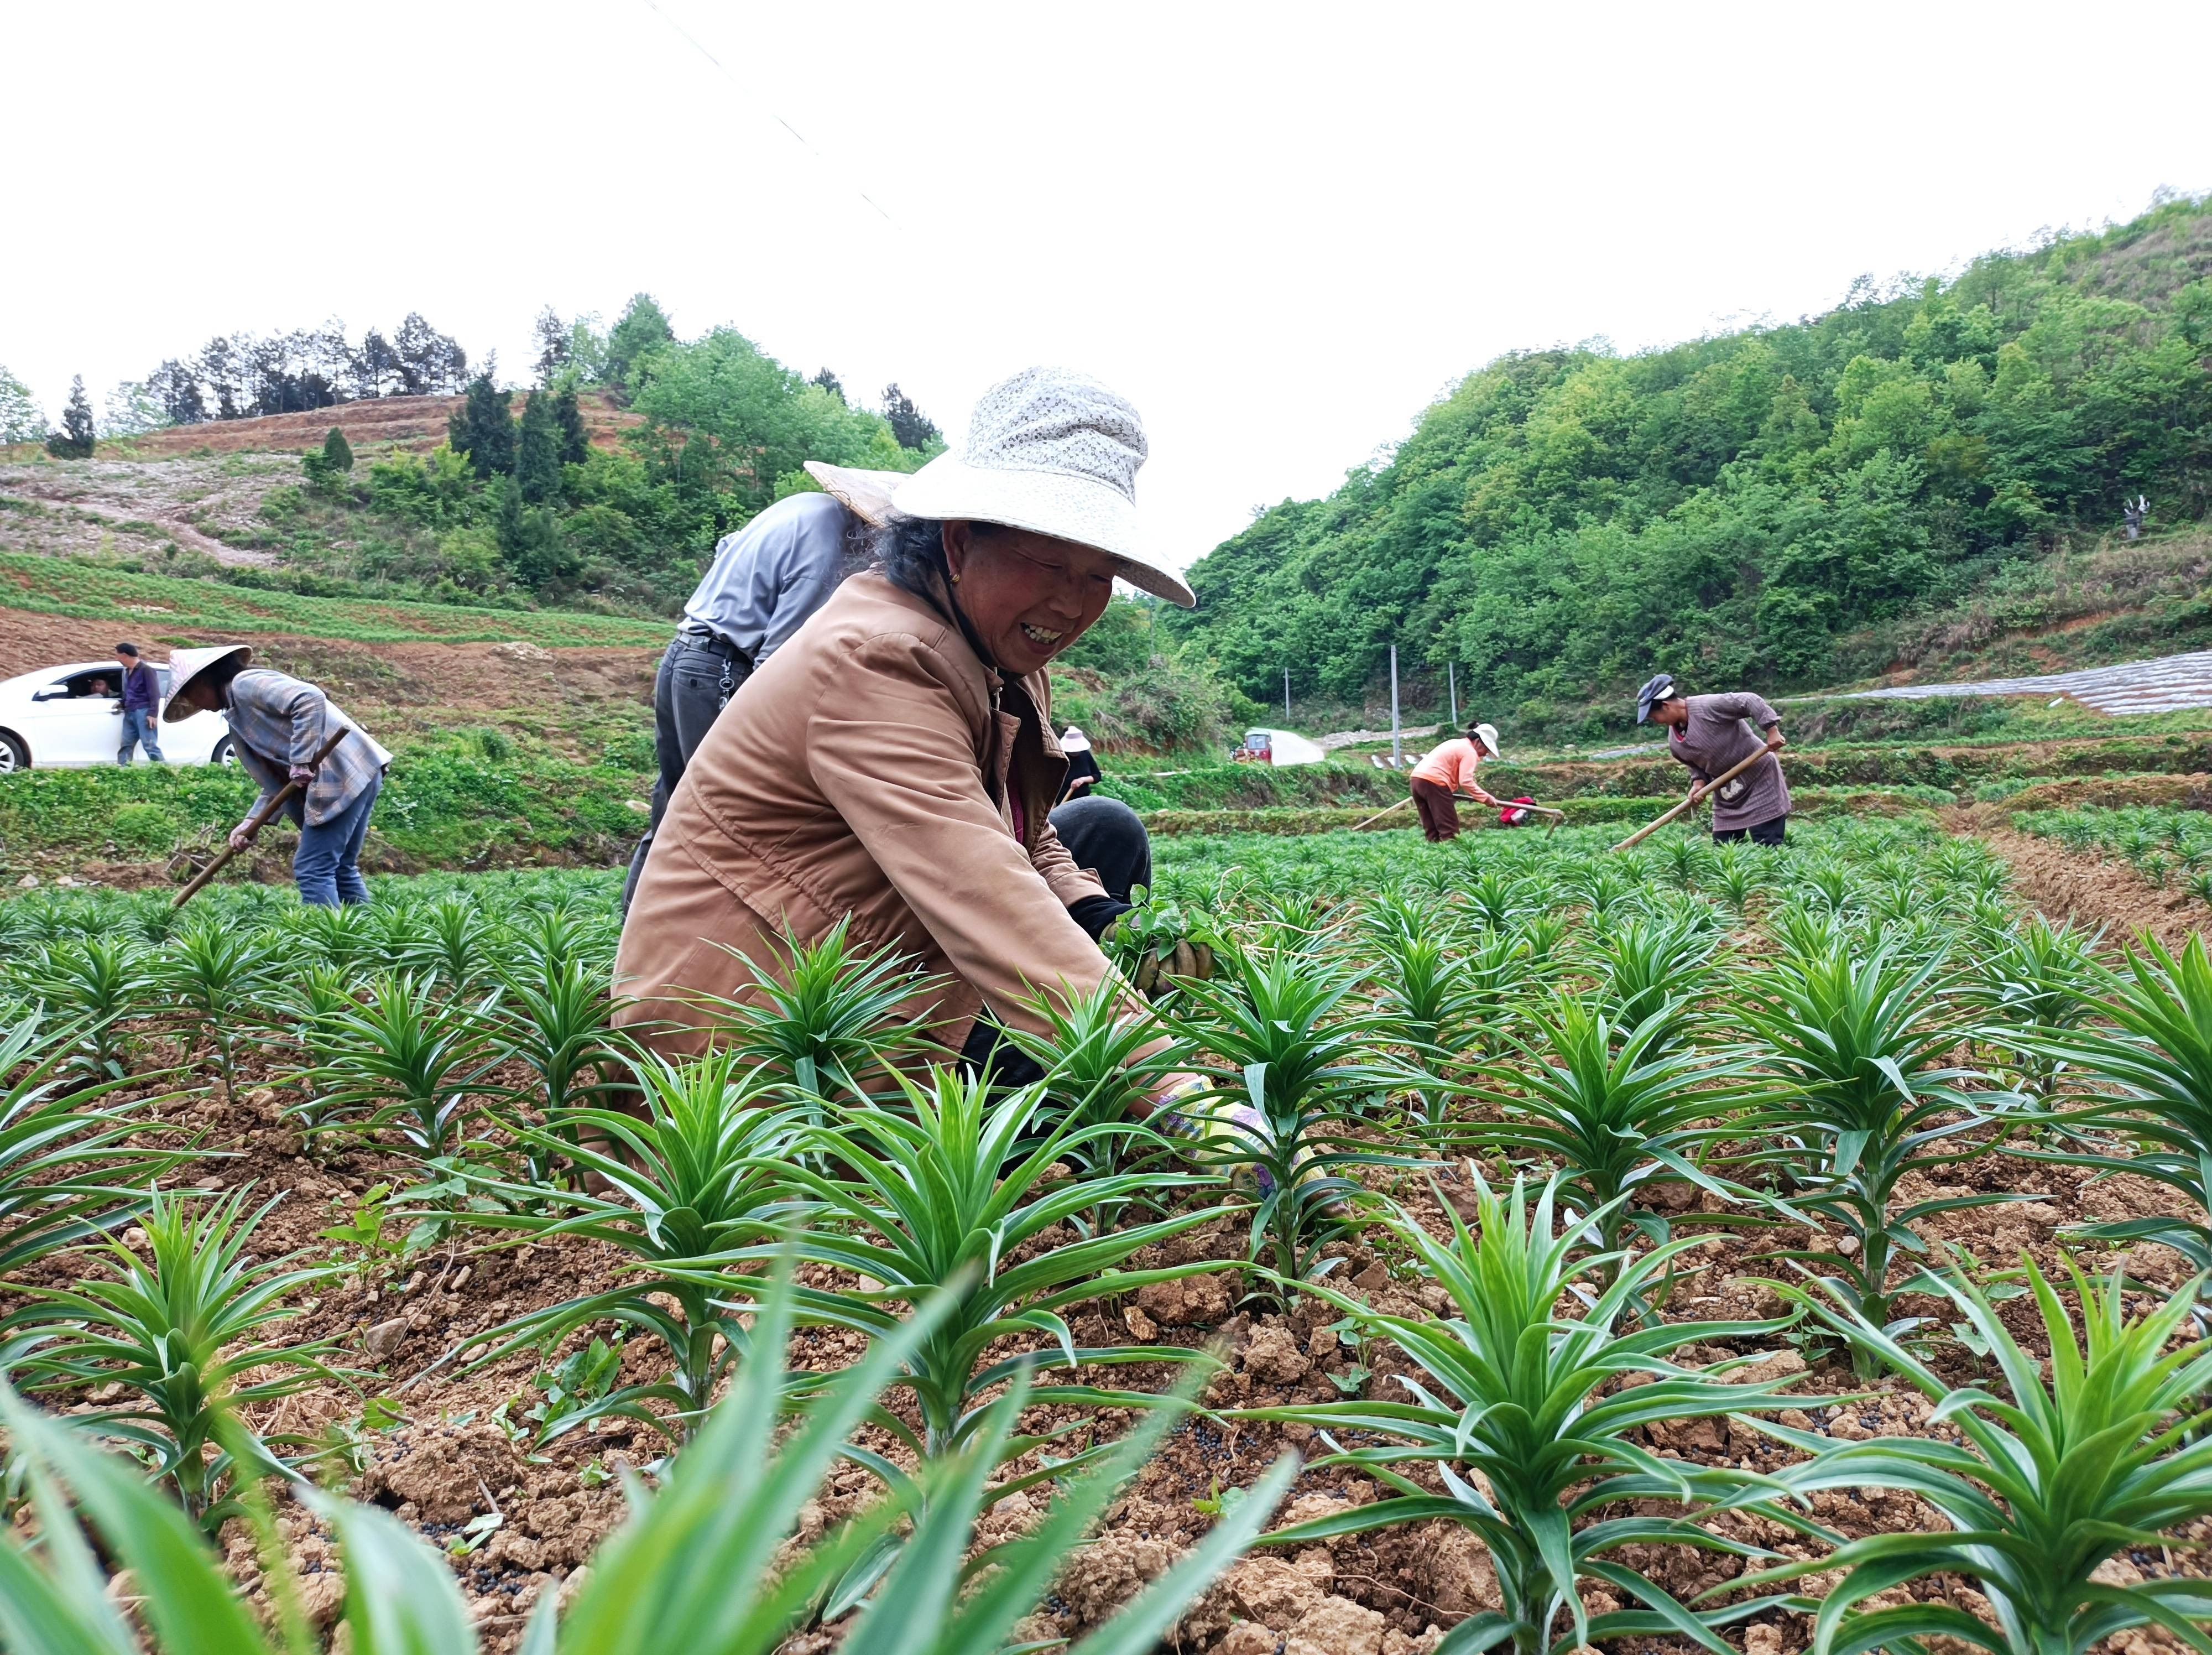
[(139, 724), (327, 865)]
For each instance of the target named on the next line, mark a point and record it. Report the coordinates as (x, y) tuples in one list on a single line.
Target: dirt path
[(178, 530), (2091, 889)]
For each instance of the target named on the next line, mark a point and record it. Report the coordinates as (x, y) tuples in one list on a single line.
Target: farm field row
[(1629, 1247), (175, 611)]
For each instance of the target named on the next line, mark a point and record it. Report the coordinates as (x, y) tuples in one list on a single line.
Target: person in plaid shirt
[(278, 724)]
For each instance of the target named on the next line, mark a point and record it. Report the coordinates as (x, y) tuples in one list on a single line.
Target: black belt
[(700, 637)]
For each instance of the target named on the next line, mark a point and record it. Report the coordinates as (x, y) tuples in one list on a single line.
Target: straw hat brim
[(1055, 504), (866, 494), (185, 665)]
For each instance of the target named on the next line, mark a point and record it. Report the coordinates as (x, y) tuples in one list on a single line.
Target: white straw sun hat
[(1055, 453), (185, 665), (866, 494), (1487, 735)]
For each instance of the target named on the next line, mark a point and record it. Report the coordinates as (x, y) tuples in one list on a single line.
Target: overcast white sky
[(1280, 229)]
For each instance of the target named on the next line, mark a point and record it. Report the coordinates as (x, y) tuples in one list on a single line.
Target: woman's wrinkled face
[(1028, 596)]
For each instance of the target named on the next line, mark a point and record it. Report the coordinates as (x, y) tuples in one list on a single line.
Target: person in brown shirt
[(1712, 734), (895, 766)]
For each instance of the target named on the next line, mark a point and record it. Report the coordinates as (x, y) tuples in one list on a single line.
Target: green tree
[(643, 328), (913, 429), (537, 451), (337, 452), (576, 441), (726, 420), (21, 419), (482, 428), (75, 438)]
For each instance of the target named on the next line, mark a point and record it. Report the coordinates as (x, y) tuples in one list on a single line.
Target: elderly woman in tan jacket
[(895, 764)]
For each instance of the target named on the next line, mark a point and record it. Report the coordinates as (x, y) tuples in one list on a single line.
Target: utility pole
[(1451, 678), (1286, 695), (1397, 746)]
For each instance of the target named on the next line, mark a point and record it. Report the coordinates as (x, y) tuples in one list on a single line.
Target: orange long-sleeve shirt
[(1453, 765)]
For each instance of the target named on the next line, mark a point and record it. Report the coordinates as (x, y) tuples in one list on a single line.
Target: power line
[(796, 134)]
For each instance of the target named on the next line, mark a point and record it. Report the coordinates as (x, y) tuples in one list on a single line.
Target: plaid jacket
[(277, 722)]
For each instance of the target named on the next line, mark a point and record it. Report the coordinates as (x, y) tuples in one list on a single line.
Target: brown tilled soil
[(2096, 891), (449, 1460), (415, 424), (570, 696)]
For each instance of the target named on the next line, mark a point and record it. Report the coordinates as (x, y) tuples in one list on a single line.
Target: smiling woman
[(893, 767)]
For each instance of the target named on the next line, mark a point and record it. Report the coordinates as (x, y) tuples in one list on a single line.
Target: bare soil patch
[(2067, 884), (395, 685), (414, 424)]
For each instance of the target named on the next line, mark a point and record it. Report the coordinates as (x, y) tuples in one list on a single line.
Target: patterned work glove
[(1161, 966)]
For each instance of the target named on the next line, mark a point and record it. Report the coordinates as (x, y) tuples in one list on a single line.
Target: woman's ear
[(955, 538)]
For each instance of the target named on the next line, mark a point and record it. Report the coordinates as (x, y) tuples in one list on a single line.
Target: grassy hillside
[(1920, 474), (171, 609)]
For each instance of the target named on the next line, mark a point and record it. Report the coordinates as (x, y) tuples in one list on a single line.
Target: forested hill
[(1770, 508)]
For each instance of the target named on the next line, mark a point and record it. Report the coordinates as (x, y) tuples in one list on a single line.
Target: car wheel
[(222, 752), (14, 755)]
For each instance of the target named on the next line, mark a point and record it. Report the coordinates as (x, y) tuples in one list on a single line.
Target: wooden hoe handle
[(1643, 833), (255, 823)]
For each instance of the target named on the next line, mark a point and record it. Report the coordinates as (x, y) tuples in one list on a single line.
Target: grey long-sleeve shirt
[(772, 574), (1719, 737)]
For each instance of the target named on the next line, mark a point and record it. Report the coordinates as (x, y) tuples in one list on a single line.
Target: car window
[(95, 684), (161, 682)]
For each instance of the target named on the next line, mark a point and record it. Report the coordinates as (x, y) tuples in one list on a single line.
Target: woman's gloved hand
[(1182, 959)]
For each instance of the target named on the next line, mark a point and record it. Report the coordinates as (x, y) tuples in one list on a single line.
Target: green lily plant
[(1097, 1073), (1619, 1109), (181, 1328), (706, 1563), (69, 1167), (2045, 1484), (1861, 1044), (1516, 1416), (403, 1061), (221, 976), (701, 1172), (940, 1198), (831, 1017), (1292, 1069), (2157, 1050)]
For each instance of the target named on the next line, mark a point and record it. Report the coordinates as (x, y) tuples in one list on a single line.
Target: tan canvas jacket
[(863, 770)]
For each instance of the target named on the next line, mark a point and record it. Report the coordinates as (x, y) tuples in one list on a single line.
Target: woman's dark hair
[(220, 674), (909, 551)]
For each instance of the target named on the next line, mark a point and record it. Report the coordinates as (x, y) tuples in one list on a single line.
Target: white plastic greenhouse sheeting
[(2167, 684)]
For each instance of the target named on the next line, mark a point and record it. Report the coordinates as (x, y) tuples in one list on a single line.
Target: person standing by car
[(277, 725), (1712, 734), (142, 705), (765, 581)]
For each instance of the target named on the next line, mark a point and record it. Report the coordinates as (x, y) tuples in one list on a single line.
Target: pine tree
[(913, 427), (538, 457), (575, 440), (483, 429), (75, 438), (337, 452), (642, 330), (830, 383), (552, 346)]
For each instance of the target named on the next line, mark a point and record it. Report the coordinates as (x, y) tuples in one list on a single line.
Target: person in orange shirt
[(1449, 770)]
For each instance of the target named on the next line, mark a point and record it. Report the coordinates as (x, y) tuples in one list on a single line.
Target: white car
[(64, 717)]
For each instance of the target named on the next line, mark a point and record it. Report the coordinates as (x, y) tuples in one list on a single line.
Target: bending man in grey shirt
[(765, 581)]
